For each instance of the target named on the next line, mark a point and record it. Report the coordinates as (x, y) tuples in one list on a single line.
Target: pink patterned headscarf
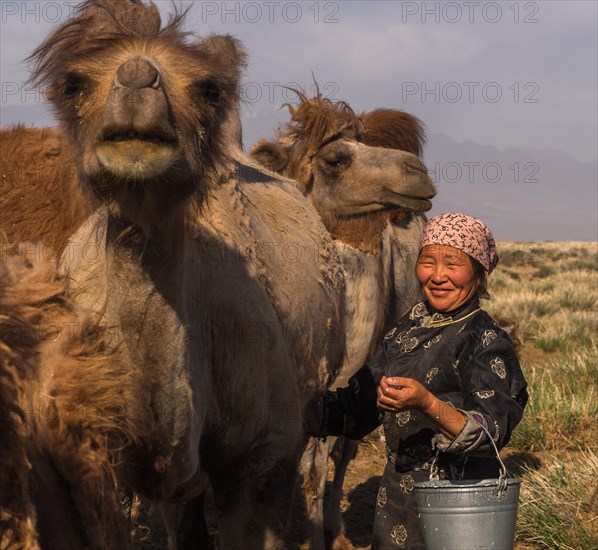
[(464, 232)]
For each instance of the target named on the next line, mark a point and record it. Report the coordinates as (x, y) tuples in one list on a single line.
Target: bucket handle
[(501, 487)]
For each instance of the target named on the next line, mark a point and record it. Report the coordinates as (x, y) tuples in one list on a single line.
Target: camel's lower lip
[(158, 135), (415, 204), (137, 159)]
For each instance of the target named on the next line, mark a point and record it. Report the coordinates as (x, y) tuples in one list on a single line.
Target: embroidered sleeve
[(468, 439), (495, 394)]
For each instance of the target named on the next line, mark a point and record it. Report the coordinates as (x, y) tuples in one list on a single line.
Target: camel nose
[(138, 73)]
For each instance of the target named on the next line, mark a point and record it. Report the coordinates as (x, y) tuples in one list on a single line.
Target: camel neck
[(143, 264)]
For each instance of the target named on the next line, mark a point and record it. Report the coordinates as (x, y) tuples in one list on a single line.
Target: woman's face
[(447, 276)]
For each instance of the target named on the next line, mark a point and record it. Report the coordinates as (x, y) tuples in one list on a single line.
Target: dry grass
[(563, 406), (551, 291)]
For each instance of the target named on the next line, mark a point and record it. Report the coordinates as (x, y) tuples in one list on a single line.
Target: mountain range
[(523, 194)]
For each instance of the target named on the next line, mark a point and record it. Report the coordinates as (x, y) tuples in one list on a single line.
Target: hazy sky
[(498, 73), (505, 74)]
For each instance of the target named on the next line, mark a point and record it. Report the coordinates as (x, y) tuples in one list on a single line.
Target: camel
[(378, 246), (62, 423), (217, 278)]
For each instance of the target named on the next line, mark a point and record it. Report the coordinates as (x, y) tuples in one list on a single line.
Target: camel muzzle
[(137, 139), (137, 101)]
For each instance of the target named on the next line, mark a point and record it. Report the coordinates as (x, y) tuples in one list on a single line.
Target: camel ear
[(51, 93), (227, 49), (270, 155)]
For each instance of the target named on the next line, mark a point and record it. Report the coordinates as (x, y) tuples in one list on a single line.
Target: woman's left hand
[(396, 394)]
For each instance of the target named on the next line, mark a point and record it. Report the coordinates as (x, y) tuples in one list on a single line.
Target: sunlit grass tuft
[(555, 297), (559, 504), (563, 405)]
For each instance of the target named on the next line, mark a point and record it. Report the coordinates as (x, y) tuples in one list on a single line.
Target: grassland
[(550, 293)]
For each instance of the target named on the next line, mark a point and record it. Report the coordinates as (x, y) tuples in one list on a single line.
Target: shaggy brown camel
[(218, 277), (62, 424), (378, 246)]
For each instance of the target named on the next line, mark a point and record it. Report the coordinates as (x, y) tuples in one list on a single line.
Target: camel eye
[(73, 84), (208, 90), (335, 162)]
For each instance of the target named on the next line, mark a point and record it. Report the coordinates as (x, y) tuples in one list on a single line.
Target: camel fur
[(41, 200), (62, 402), (295, 336)]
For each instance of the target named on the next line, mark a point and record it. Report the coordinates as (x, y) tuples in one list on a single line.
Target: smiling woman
[(444, 374)]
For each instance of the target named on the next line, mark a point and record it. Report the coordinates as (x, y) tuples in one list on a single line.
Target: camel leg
[(186, 525), (75, 509), (168, 511), (254, 511), (334, 526), (58, 526), (314, 468), (192, 532)]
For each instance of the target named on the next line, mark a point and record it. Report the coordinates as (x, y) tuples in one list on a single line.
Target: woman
[(442, 371)]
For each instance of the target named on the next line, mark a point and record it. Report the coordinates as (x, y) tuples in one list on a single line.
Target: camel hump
[(21, 143)]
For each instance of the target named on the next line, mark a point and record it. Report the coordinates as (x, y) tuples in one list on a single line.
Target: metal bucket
[(469, 514)]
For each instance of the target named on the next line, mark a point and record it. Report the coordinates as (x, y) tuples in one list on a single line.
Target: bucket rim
[(464, 483)]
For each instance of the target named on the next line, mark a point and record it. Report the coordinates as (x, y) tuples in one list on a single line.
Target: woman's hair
[(481, 275)]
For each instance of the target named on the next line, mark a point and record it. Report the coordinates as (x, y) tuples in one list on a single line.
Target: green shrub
[(544, 271)]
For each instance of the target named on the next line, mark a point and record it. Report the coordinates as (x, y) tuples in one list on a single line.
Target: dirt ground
[(360, 491)]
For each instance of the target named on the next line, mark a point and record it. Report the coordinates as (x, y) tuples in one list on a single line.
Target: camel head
[(144, 105), (351, 167)]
